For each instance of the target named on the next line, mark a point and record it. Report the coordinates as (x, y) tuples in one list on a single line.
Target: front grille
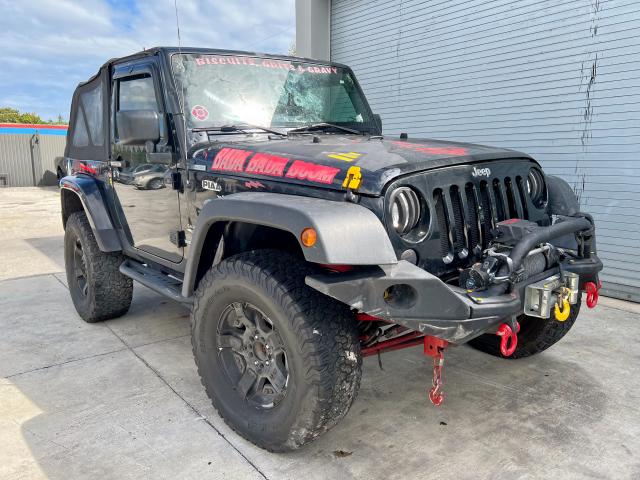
[(467, 213)]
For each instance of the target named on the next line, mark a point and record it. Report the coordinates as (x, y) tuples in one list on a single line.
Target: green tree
[(12, 115)]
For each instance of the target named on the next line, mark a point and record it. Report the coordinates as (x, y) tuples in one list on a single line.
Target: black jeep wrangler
[(302, 238)]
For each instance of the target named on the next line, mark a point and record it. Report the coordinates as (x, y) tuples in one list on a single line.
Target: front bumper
[(429, 305), (405, 294)]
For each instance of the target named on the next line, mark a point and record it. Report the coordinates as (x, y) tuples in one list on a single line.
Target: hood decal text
[(234, 160)]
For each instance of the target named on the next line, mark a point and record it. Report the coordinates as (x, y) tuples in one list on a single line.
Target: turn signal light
[(308, 237)]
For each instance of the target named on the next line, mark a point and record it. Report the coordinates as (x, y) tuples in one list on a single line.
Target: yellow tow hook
[(562, 314)]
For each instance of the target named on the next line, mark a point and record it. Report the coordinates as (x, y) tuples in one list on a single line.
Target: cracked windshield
[(226, 90)]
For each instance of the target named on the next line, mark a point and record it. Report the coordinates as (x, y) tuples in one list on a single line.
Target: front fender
[(93, 202), (348, 234)]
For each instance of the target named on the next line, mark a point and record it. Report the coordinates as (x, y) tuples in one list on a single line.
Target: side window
[(92, 103), (137, 93), (88, 125), (80, 136)]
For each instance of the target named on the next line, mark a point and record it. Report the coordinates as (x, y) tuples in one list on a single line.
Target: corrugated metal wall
[(21, 168), (50, 147), (15, 160), (558, 80)]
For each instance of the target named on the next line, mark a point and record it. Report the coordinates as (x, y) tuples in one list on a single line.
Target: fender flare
[(348, 234), (87, 190), (562, 198)]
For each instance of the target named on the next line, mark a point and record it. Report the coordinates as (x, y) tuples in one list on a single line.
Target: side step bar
[(157, 281)]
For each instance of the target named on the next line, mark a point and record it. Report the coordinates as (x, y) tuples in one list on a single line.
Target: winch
[(498, 267)]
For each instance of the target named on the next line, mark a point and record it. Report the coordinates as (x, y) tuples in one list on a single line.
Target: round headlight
[(404, 209), (536, 188)]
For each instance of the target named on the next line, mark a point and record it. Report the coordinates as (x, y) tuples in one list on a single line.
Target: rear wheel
[(280, 362), (98, 290), (535, 336)]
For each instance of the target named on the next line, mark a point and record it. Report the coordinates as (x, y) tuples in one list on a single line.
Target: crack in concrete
[(64, 363)]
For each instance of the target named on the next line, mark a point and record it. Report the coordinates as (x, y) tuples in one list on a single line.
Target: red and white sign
[(200, 113)]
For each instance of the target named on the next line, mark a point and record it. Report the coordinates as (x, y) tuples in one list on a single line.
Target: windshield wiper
[(322, 126), (238, 128)]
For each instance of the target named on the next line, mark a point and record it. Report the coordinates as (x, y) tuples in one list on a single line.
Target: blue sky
[(48, 46)]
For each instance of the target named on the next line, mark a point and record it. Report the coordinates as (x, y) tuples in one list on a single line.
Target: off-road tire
[(108, 292), (536, 335), (319, 334)]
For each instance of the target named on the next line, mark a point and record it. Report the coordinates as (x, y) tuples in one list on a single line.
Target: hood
[(326, 160)]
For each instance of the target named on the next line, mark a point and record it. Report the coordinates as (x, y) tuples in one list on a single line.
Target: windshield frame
[(370, 127)]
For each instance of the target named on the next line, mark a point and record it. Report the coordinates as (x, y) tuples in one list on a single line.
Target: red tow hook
[(434, 347), (509, 340), (592, 294)]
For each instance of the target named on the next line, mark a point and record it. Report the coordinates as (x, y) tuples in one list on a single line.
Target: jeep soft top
[(260, 191)]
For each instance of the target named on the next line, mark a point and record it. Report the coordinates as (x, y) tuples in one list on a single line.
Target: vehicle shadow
[(52, 247)]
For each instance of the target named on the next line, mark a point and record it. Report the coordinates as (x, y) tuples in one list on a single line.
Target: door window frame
[(130, 70)]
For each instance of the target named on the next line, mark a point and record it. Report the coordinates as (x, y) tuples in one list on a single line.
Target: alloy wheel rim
[(252, 354), (80, 268)]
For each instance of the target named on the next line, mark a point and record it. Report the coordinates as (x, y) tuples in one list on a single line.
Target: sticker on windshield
[(200, 113), (265, 63)]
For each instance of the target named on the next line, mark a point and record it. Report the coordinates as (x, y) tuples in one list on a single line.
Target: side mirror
[(378, 121), (137, 127)]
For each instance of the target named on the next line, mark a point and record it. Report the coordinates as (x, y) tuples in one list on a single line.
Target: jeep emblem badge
[(481, 172)]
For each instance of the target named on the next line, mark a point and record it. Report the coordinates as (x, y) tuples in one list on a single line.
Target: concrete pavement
[(122, 399)]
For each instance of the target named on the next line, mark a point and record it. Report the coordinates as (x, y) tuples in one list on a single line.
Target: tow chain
[(434, 347)]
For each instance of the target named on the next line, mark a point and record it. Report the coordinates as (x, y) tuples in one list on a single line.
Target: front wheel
[(280, 362), (535, 336)]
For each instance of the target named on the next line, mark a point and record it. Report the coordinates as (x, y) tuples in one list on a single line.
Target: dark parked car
[(302, 238)]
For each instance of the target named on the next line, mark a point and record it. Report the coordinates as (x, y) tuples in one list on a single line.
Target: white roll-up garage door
[(558, 80)]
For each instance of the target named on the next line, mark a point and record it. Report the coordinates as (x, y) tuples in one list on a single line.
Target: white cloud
[(51, 45)]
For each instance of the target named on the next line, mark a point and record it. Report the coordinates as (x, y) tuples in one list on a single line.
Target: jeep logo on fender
[(481, 172)]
